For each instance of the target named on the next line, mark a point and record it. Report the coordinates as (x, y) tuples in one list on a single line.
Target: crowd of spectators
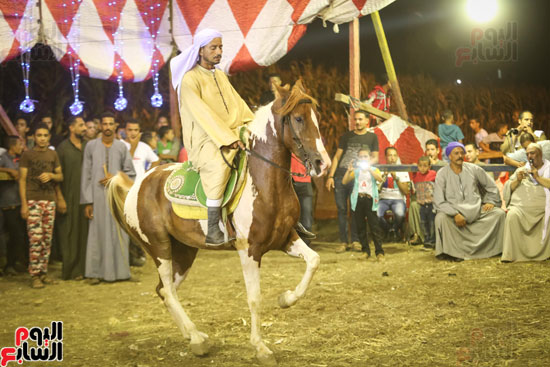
[(52, 195), (453, 205), (52, 199)]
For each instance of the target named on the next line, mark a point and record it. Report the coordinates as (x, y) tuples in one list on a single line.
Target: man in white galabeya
[(211, 114)]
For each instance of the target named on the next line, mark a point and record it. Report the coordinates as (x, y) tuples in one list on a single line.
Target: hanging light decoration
[(77, 106), (27, 105), (153, 18), (121, 103)]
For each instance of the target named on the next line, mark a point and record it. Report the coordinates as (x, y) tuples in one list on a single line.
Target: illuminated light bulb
[(27, 105), (156, 100), (121, 103), (77, 107)]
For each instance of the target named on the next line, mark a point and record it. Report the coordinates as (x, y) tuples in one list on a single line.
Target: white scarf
[(187, 60)]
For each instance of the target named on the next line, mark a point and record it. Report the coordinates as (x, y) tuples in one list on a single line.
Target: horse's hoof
[(287, 299), (266, 359), (200, 349)]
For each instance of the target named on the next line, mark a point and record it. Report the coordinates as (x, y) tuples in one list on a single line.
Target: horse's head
[(300, 127)]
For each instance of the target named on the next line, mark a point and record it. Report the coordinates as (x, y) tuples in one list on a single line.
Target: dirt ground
[(411, 310)]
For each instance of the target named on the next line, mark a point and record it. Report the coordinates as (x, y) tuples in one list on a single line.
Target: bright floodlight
[(458, 81), (482, 10)]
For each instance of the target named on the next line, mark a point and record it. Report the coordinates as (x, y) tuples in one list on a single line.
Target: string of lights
[(27, 105), (151, 19), (120, 103), (77, 106)]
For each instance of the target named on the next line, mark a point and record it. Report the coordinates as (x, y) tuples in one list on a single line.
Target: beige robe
[(524, 225), (211, 113)]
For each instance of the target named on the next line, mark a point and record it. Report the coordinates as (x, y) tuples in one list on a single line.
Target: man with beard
[(468, 224), (528, 197), (106, 258), (72, 227), (212, 112)]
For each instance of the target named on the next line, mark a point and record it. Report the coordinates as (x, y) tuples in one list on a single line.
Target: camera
[(362, 164), (514, 131)]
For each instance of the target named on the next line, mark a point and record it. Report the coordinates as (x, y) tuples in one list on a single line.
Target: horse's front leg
[(298, 248), (251, 272)]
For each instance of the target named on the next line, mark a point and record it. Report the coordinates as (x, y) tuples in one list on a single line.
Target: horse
[(263, 220)]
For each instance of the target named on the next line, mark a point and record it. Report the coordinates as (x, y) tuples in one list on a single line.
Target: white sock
[(214, 203)]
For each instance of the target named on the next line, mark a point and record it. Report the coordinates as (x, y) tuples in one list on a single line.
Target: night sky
[(423, 37)]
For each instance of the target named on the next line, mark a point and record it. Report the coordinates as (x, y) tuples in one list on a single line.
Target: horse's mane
[(296, 96)]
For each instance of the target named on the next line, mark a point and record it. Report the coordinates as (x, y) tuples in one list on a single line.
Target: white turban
[(185, 61)]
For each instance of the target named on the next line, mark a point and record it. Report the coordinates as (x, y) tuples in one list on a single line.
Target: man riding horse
[(212, 112)]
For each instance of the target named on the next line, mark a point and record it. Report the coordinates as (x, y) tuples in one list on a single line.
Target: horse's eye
[(299, 119)]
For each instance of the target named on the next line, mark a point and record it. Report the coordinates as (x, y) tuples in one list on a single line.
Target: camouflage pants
[(40, 230)]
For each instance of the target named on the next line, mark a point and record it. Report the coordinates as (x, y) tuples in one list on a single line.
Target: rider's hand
[(237, 144)]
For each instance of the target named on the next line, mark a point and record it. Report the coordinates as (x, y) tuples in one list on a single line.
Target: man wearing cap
[(211, 114), (528, 197), (469, 223)]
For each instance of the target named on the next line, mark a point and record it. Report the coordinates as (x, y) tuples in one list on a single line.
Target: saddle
[(184, 190)]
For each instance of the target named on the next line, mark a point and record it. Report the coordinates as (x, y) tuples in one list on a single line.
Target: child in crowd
[(364, 202), (424, 181), (39, 171), (167, 146), (432, 152), (448, 131)]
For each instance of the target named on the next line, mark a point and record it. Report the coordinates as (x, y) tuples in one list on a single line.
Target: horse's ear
[(300, 86), (282, 92)]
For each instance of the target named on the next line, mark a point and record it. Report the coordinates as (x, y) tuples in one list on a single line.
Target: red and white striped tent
[(256, 33), (409, 140)]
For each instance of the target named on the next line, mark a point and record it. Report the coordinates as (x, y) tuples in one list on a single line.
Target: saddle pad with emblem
[(184, 190)]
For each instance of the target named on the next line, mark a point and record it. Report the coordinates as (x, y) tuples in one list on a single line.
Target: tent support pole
[(384, 49), (354, 68)]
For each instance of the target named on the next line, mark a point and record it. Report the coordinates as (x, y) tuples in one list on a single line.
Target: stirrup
[(215, 239), (306, 234)]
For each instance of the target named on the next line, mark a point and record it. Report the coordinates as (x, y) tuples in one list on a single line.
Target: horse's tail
[(117, 190)]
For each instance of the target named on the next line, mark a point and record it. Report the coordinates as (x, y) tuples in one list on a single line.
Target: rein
[(301, 149)]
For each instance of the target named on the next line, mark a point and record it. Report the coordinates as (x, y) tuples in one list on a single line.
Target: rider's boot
[(307, 235), (215, 236)]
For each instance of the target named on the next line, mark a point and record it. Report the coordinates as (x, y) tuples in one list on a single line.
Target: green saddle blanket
[(184, 185)]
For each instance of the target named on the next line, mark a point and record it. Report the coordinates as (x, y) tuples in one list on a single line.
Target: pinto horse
[(263, 220)]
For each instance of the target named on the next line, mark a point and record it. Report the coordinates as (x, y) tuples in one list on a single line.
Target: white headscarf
[(185, 61)]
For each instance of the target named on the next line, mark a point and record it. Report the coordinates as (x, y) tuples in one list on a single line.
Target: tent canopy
[(101, 33), (409, 140)]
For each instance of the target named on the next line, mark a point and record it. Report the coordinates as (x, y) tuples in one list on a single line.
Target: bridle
[(304, 157)]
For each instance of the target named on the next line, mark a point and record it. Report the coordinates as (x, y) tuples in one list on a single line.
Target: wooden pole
[(6, 123), (384, 49), (174, 103), (354, 69)]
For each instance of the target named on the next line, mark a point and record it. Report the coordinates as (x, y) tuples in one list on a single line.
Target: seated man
[(467, 224), (519, 157), (525, 126), (528, 198), (472, 155), (393, 194), (494, 141)]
